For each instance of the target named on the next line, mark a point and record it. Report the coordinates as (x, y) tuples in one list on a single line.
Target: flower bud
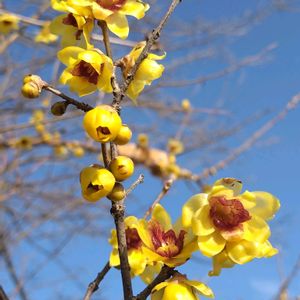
[(175, 146), (59, 108), (118, 193), (96, 182), (143, 140), (124, 135), (31, 90), (102, 123), (122, 167), (186, 105)]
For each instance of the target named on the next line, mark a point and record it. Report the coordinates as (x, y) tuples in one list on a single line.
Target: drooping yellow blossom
[(71, 28), (231, 227), (45, 36), (8, 23), (96, 182), (164, 242), (175, 146), (87, 70), (136, 257), (179, 287), (102, 123), (148, 71)]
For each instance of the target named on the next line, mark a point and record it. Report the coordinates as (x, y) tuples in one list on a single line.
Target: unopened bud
[(31, 90), (59, 108), (118, 193)]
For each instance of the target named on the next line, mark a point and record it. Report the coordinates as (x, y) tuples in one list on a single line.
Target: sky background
[(274, 168)]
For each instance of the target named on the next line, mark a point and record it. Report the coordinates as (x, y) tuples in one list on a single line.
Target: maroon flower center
[(227, 214), (166, 244), (70, 20), (86, 70), (133, 239), (113, 5), (7, 23)]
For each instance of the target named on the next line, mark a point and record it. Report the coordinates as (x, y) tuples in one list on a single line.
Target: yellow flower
[(96, 182), (102, 123), (175, 146), (87, 70), (122, 167), (114, 12), (8, 23), (45, 36), (148, 71), (163, 242), (230, 224), (136, 257), (72, 27), (179, 287)]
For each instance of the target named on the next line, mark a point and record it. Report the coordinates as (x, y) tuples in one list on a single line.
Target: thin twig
[(80, 105), (117, 211), (152, 38), (292, 104), (3, 295), (135, 184), (165, 273), (105, 155), (289, 279), (167, 185), (94, 285)]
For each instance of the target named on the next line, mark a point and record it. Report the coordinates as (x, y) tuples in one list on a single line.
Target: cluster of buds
[(103, 124), (32, 86)]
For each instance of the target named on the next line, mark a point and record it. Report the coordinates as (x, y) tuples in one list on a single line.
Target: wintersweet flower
[(231, 227), (163, 242), (45, 36), (114, 12), (87, 70), (148, 71), (136, 257), (179, 287), (8, 23)]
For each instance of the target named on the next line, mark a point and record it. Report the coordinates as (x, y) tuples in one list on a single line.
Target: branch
[(80, 105), (135, 184), (94, 285), (167, 185), (3, 296), (165, 273), (292, 104), (117, 211), (152, 38)]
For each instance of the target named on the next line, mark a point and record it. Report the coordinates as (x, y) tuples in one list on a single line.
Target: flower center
[(113, 5), (70, 20), (166, 244), (227, 214), (133, 239), (7, 23), (86, 70)]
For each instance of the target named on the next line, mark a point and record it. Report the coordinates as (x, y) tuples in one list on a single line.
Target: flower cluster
[(223, 223), (103, 124), (88, 69)]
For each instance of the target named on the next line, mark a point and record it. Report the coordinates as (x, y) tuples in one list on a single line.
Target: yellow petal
[(229, 187), (114, 259), (256, 229), (149, 70), (160, 286), (212, 244), (157, 295), (134, 8), (266, 205), (142, 228), (200, 288), (191, 206), (201, 222), (220, 261), (137, 262), (134, 89), (177, 291), (118, 24), (243, 251), (81, 86), (160, 215), (69, 56), (150, 272)]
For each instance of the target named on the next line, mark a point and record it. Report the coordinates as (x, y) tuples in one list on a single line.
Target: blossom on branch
[(148, 70), (87, 70), (164, 242), (8, 23), (231, 227), (179, 287)]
